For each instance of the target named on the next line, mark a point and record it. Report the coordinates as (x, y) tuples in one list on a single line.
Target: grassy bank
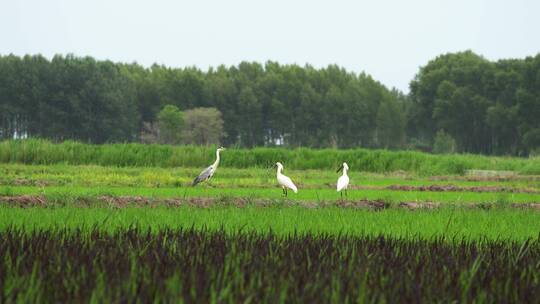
[(34, 151), (92, 176), (65, 195)]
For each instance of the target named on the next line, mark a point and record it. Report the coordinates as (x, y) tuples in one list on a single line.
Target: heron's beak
[(339, 169)]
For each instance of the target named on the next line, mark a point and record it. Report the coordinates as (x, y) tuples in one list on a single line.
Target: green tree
[(202, 126), (453, 92), (250, 118), (487, 107), (503, 122), (170, 123), (390, 125), (444, 143)]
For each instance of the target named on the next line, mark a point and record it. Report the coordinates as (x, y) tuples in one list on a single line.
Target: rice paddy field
[(413, 227)]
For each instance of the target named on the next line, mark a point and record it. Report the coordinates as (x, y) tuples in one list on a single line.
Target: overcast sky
[(388, 39)]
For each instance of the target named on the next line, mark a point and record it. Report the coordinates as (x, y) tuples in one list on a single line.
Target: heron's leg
[(208, 182), (285, 192), (341, 193), (346, 193)]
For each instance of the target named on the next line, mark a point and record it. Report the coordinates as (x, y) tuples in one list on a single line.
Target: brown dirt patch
[(369, 204), (141, 201), (24, 200), (419, 205), (526, 205), (486, 178), (360, 187), (351, 187), (205, 202), (443, 188)]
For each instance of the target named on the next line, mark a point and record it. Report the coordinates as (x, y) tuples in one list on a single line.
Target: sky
[(389, 40)]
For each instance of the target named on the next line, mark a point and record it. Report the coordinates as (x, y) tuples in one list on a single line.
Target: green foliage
[(94, 101), (66, 98), (532, 138), (532, 167), (37, 151), (153, 177), (535, 153), (170, 122), (487, 107), (203, 126), (390, 125), (444, 143)]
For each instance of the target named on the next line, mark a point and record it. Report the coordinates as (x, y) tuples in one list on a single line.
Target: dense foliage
[(100, 101), (204, 266), (66, 98), (486, 107)]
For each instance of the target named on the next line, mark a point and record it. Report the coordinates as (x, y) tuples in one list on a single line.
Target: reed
[(39, 151)]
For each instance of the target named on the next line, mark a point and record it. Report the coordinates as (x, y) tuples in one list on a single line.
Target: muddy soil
[(486, 178), (23, 200), (205, 202), (444, 188)]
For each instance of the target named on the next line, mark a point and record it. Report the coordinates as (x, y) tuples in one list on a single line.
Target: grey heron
[(207, 173)]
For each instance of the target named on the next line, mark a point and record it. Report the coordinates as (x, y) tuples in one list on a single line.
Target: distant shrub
[(419, 145), (444, 143)]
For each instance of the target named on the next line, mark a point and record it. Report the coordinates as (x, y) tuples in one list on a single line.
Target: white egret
[(284, 181), (207, 173), (343, 180)]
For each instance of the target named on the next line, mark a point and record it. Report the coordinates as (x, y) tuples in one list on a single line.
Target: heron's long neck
[(345, 171), (279, 170), (216, 163)]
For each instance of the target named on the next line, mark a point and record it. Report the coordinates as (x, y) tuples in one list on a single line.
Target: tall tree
[(390, 125), (170, 124), (202, 126)]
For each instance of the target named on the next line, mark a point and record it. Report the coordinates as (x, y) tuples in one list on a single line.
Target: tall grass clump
[(39, 151)]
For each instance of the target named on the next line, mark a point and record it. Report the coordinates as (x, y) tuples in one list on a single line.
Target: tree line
[(486, 107), (458, 102), (71, 97)]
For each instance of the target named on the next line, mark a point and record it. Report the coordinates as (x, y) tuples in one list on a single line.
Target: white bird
[(207, 173), (284, 181), (343, 180)]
